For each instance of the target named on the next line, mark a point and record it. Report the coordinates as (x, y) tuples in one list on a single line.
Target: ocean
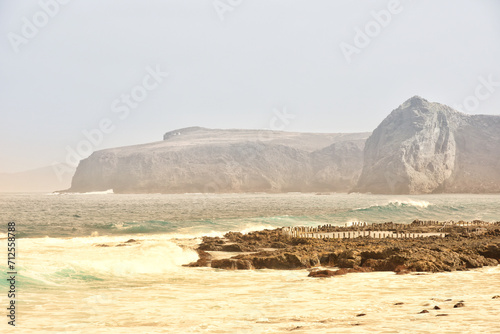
[(68, 283)]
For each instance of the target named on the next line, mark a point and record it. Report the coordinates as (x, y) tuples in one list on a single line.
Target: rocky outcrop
[(424, 147), (432, 254), (207, 160), (343, 271)]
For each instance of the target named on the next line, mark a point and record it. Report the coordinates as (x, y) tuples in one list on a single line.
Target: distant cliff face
[(207, 160), (420, 148), (424, 147)]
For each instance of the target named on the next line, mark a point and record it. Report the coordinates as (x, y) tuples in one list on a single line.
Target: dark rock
[(403, 256), (460, 304), (322, 273), (496, 297), (234, 236), (360, 315), (423, 311), (348, 263), (231, 248), (204, 260), (278, 245), (401, 270), (211, 244), (491, 251), (437, 307), (282, 259), (399, 303), (231, 264), (342, 271), (130, 240)]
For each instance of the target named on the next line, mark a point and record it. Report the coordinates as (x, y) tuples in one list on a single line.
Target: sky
[(81, 76)]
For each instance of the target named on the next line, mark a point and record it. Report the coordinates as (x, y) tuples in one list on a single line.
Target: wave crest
[(396, 205)]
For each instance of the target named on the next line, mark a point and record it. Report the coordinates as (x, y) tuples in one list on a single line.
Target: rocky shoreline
[(459, 249)]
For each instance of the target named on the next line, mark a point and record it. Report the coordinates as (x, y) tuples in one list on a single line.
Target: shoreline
[(459, 246)]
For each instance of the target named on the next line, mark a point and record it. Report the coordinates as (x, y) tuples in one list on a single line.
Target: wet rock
[(271, 250), (342, 271), (204, 260), (380, 265), (348, 263), (231, 248), (490, 251), (321, 273), (401, 270), (231, 264), (473, 260)]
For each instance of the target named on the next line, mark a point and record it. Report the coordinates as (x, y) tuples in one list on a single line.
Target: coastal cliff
[(424, 147), (200, 160), (420, 148)]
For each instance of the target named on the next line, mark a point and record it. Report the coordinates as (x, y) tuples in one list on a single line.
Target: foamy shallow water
[(72, 286)]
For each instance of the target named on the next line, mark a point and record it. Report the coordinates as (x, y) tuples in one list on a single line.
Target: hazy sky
[(231, 64)]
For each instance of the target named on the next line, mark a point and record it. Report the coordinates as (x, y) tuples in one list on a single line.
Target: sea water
[(68, 282)]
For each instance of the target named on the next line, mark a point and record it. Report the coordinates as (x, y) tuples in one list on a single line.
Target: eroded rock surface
[(199, 160), (424, 147), (269, 249)]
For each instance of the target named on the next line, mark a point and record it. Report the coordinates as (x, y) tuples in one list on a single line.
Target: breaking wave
[(396, 205)]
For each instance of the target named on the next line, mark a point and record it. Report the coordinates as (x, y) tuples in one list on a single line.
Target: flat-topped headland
[(422, 246)]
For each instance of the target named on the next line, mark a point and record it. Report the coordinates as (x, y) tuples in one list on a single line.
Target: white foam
[(418, 204), (106, 192), (146, 258)]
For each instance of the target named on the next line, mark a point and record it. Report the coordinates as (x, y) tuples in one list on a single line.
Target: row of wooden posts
[(355, 226), (313, 232), (452, 223)]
